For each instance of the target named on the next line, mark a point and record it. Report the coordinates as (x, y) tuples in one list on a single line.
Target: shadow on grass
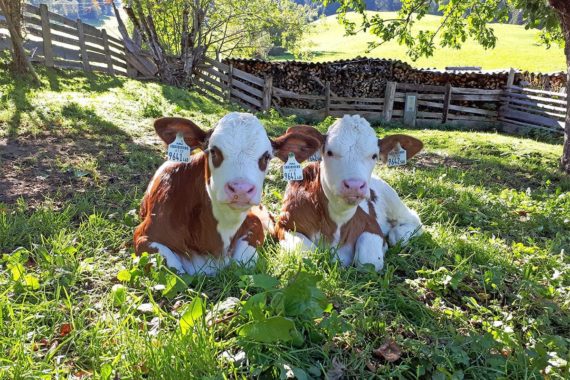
[(94, 155)]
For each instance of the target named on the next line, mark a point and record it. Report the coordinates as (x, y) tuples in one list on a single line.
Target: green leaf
[(173, 286), (32, 282), (263, 281), (269, 330), (106, 371), (17, 270), (303, 298), (124, 276), (255, 305), (193, 313), (119, 294)]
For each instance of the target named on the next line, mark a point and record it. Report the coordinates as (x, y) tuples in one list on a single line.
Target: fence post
[(327, 98), (107, 52), (46, 36), (411, 109), (267, 93), (511, 78), (84, 56), (230, 80), (446, 102), (389, 100)]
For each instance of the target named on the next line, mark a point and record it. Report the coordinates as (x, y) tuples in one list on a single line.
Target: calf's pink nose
[(354, 185), (239, 191)]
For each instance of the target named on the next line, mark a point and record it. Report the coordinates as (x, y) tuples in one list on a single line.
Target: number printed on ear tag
[(178, 150), (315, 157), (397, 157), (292, 170)]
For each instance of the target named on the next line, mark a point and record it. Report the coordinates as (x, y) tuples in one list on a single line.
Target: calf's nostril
[(231, 188), (362, 186)]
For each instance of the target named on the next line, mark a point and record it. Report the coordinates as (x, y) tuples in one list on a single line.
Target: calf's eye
[(329, 153), (264, 160), (374, 156)]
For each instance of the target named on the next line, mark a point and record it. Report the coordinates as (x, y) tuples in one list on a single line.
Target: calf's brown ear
[(168, 127), (390, 142), (301, 140)]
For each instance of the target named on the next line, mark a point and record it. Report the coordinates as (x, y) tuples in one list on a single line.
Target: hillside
[(482, 293), (516, 47)]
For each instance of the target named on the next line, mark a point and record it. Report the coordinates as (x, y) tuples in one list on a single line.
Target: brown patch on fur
[(305, 211), (177, 212)]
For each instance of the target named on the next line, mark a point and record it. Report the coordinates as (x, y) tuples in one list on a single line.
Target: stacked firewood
[(364, 77)]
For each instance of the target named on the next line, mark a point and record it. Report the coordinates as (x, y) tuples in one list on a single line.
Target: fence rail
[(57, 41), (410, 103)]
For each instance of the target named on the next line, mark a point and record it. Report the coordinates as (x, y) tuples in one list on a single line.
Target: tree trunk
[(565, 160), (20, 64), (562, 7)]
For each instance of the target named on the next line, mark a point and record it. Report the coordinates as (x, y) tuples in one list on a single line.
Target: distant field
[(516, 47)]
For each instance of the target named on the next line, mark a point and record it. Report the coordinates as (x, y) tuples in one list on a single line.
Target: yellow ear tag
[(292, 170), (397, 157), (178, 150)]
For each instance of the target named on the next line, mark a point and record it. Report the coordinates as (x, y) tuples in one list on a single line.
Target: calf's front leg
[(370, 249)]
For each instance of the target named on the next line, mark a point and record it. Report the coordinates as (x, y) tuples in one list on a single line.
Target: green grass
[(516, 47), (484, 293)]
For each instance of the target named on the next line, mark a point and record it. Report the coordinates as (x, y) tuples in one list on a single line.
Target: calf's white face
[(239, 151), (349, 151), (349, 155)]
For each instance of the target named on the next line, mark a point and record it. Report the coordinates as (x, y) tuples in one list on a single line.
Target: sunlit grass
[(516, 47), (484, 293)]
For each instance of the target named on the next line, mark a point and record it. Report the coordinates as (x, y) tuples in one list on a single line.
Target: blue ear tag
[(292, 170), (178, 150)]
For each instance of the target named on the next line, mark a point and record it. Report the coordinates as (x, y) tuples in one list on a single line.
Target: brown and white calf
[(198, 215), (340, 203)]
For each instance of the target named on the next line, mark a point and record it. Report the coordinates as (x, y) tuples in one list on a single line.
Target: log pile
[(365, 77)]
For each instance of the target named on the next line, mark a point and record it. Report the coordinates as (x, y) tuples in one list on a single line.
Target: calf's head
[(349, 151), (238, 151)]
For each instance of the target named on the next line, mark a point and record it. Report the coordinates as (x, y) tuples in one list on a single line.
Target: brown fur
[(177, 212), (305, 211)]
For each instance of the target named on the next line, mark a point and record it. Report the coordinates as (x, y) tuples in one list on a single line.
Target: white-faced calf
[(198, 215), (340, 203)]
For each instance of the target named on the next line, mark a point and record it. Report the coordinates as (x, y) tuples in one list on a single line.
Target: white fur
[(244, 254), (242, 140), (398, 222), (370, 249), (353, 144), (173, 260), (295, 241), (345, 255)]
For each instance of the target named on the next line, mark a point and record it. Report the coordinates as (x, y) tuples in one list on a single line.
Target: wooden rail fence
[(513, 107), (57, 41)]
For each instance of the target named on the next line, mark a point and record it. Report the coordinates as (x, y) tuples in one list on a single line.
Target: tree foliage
[(225, 27), (461, 19)]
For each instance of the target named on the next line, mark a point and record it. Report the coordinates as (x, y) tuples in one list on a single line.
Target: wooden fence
[(57, 41), (514, 107), (526, 107)]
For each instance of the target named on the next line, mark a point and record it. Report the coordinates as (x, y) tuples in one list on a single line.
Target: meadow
[(483, 293), (516, 47)]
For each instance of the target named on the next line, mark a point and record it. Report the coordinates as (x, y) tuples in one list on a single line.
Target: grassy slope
[(516, 47), (483, 293)]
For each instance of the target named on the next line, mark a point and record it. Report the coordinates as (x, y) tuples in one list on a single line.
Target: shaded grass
[(484, 293)]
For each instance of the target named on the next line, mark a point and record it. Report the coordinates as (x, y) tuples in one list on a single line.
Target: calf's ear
[(168, 127), (390, 142), (301, 140)]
